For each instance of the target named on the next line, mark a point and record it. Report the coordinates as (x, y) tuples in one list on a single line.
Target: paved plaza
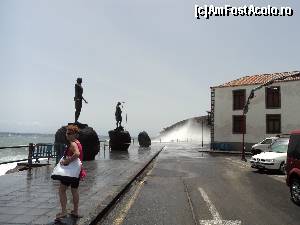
[(31, 197)]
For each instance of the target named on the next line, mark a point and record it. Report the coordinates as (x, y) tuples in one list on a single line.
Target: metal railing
[(17, 146), (47, 151), (38, 151), (104, 146)]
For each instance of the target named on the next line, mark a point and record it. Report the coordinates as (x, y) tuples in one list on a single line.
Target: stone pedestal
[(144, 139), (119, 139), (87, 137)]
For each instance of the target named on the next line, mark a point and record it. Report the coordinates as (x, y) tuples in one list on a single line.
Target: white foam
[(5, 167), (190, 131)]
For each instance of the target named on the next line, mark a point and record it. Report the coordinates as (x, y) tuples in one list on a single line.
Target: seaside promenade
[(184, 184), (31, 196)]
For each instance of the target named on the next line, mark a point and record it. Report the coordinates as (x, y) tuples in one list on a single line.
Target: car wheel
[(260, 170), (282, 167), (295, 191)]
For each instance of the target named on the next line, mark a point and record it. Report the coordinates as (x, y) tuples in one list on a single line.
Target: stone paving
[(31, 197)]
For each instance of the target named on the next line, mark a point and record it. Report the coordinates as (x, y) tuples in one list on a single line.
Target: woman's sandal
[(75, 215), (60, 216)]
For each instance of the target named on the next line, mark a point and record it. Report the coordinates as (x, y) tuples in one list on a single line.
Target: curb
[(124, 187)]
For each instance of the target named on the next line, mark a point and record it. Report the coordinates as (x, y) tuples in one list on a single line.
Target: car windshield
[(280, 141), (280, 147), (267, 141)]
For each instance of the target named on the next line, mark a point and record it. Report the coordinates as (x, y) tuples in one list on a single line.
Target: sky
[(153, 55)]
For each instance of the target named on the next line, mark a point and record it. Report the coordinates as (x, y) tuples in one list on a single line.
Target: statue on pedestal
[(118, 115), (78, 98), (88, 137), (119, 139)]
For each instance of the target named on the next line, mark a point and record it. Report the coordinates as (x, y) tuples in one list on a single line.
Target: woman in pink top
[(73, 152)]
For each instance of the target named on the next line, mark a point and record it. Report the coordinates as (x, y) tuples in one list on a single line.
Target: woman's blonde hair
[(72, 129)]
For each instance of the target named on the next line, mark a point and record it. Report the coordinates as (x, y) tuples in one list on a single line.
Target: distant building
[(273, 110)]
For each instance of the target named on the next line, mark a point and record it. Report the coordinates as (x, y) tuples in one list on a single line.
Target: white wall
[(256, 116)]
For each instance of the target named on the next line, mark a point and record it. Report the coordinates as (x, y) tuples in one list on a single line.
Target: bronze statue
[(78, 98), (118, 114)]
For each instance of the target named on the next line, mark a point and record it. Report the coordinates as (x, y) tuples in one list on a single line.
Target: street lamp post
[(245, 109), (243, 141), (202, 132)]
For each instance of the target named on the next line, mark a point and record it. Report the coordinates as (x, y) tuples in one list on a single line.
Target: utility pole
[(202, 131), (246, 106), (243, 141)]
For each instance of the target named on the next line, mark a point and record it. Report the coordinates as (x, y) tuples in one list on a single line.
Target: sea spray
[(187, 131)]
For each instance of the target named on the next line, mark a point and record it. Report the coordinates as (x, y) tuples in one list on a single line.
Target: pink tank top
[(83, 173), (70, 153)]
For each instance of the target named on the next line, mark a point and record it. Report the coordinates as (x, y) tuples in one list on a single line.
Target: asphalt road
[(185, 186)]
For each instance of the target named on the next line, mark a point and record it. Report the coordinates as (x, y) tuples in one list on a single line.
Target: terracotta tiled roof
[(259, 79)]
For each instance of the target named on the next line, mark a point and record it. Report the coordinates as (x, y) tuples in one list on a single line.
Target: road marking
[(124, 211), (217, 219)]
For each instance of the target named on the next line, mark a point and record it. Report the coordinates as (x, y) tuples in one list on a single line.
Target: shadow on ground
[(268, 172), (65, 221)]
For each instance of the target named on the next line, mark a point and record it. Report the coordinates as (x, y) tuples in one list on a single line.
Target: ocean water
[(15, 139)]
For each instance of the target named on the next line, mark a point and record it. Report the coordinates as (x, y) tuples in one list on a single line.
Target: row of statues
[(78, 103), (119, 139)]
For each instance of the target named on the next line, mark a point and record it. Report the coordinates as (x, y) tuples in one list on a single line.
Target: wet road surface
[(188, 187)]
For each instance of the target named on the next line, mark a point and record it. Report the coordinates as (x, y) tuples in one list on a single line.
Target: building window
[(239, 99), (238, 124), (273, 97), (273, 122)]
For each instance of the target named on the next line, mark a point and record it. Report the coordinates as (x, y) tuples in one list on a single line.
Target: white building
[(274, 109)]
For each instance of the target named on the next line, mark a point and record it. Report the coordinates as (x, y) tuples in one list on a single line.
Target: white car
[(274, 159), (263, 146)]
